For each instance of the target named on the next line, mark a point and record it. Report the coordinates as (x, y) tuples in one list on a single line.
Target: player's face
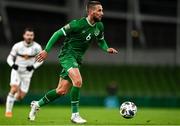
[(97, 13), (28, 37)]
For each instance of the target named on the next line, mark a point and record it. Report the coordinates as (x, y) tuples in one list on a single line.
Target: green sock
[(75, 94), (48, 97)]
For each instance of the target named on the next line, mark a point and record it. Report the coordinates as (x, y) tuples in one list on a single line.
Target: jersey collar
[(92, 25)]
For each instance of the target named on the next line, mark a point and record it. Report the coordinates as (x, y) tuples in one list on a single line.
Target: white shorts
[(21, 79)]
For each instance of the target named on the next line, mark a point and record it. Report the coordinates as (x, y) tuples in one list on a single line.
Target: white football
[(128, 109)]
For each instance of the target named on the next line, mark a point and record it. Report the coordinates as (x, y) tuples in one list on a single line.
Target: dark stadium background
[(146, 32)]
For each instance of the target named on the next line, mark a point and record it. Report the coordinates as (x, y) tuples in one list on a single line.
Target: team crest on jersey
[(36, 51), (96, 32)]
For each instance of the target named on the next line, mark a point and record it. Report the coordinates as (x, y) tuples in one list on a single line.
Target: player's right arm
[(54, 38), (64, 31), (11, 57)]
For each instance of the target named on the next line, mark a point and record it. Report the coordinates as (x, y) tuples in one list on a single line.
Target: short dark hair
[(28, 29), (91, 4)]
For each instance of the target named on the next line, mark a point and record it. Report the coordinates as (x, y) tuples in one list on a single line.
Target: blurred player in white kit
[(22, 61)]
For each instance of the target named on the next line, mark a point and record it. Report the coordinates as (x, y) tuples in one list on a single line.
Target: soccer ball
[(128, 109)]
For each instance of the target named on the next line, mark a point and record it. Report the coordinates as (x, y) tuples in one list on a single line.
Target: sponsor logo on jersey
[(26, 56)]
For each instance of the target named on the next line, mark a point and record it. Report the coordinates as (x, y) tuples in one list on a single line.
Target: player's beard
[(96, 19), (29, 42)]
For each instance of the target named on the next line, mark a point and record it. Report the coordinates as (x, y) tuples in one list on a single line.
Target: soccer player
[(23, 63), (79, 35)]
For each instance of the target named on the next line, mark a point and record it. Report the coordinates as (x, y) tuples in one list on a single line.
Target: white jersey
[(23, 55)]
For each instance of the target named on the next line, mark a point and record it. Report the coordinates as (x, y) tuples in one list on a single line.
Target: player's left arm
[(102, 42), (103, 45), (36, 64)]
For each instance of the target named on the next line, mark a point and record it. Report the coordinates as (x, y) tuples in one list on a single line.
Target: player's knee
[(77, 82), (61, 91), (13, 89), (19, 97)]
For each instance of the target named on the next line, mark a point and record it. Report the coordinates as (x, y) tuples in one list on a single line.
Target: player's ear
[(33, 34), (89, 11), (86, 9), (23, 35)]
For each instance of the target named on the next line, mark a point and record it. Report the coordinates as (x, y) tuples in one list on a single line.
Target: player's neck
[(26, 44), (90, 20)]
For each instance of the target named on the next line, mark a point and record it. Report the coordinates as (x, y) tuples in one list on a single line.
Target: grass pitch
[(58, 115)]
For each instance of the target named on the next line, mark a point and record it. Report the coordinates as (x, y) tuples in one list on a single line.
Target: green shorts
[(67, 62)]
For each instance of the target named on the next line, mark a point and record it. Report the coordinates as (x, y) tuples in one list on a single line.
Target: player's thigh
[(25, 82), (63, 86), (75, 76), (15, 78), (14, 81), (70, 69), (67, 62)]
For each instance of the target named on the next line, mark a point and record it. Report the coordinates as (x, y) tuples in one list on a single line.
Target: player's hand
[(112, 50), (41, 56), (15, 66), (29, 68)]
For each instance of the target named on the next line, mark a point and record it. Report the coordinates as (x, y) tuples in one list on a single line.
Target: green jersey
[(79, 35)]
